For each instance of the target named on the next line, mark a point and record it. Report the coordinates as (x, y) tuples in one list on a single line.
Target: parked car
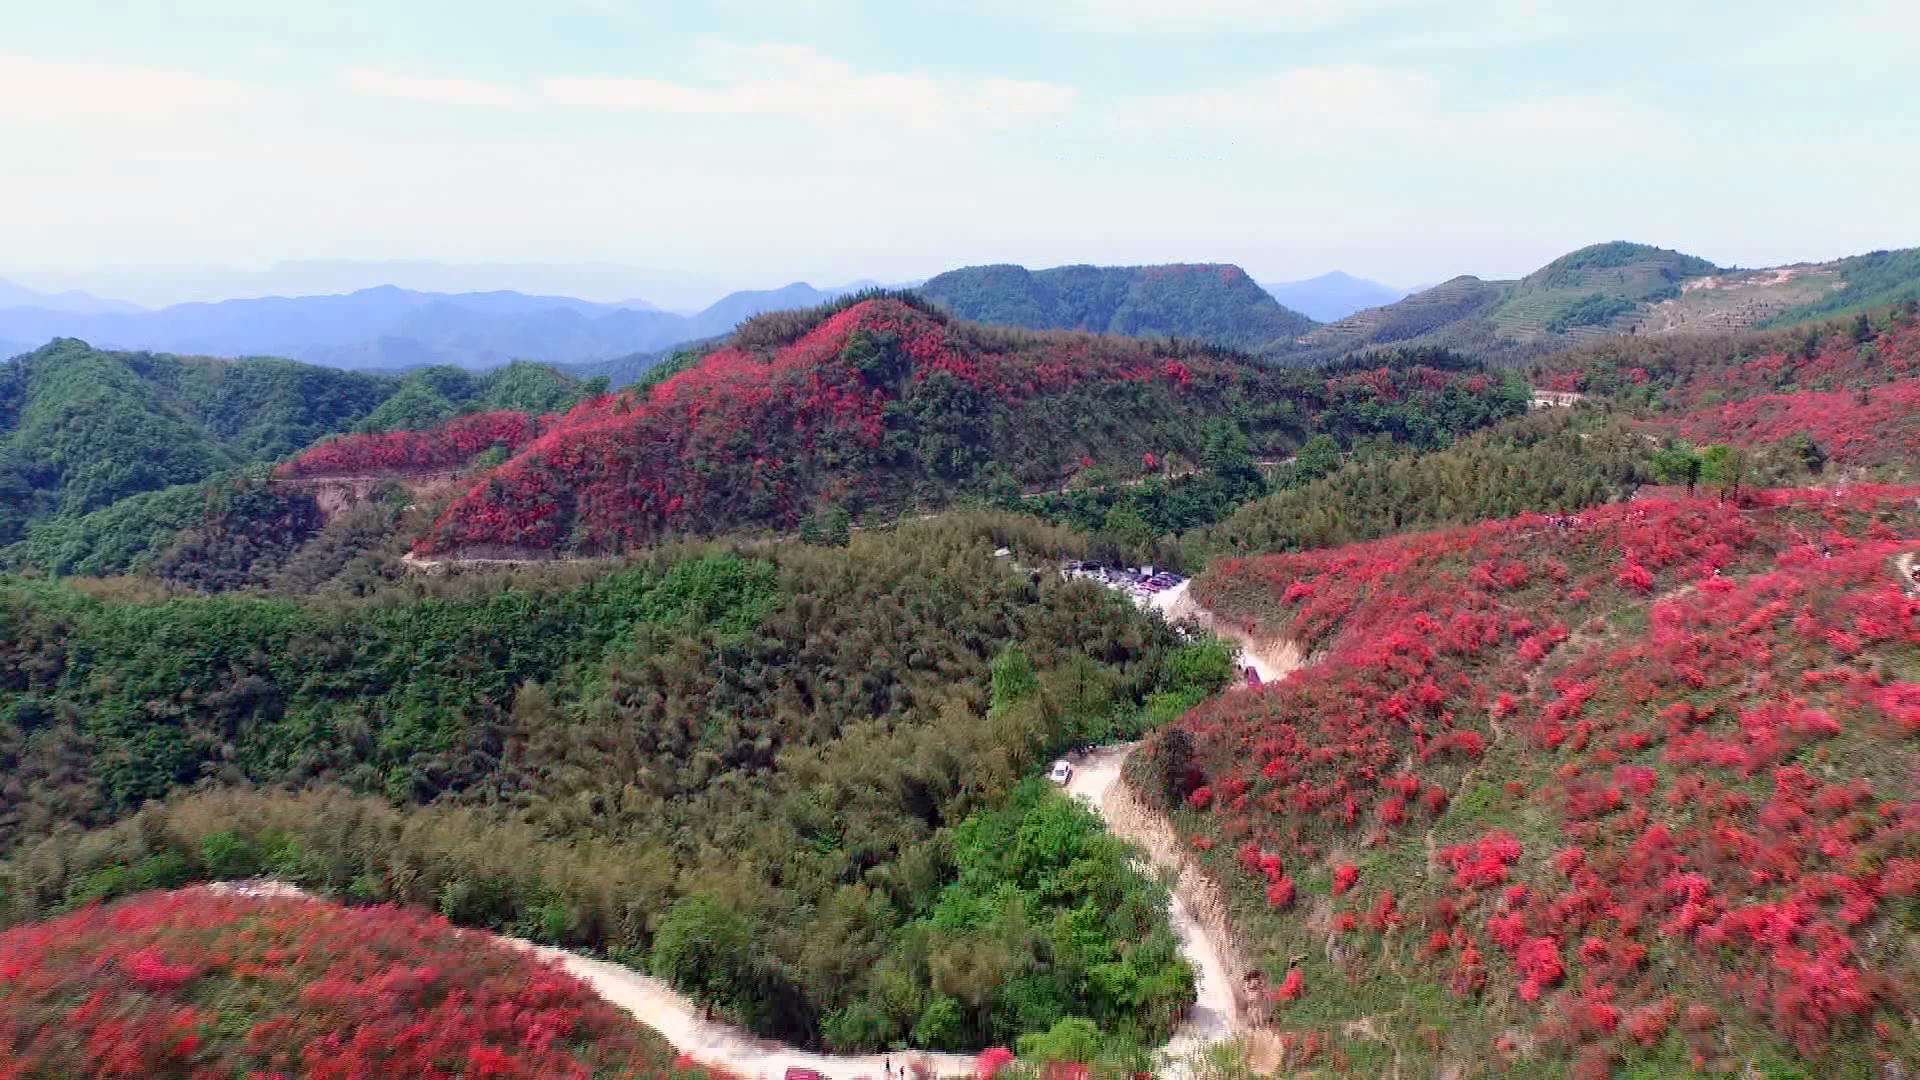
[(1062, 772), (796, 1073)]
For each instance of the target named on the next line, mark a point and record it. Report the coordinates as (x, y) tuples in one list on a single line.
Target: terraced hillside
[(1616, 289)]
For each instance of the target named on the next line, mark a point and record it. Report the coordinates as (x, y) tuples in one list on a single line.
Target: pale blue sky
[(758, 143)]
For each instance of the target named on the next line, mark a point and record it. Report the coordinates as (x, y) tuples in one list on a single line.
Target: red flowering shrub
[(1344, 877), (988, 1063), (199, 983), (450, 445), (1693, 723)]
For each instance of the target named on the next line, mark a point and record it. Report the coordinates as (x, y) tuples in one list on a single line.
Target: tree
[(1723, 468), (702, 949), (596, 386), (1862, 329), (1124, 535), (1677, 464), (1072, 1039), (1320, 457), (1810, 452), (1173, 760), (1013, 678)]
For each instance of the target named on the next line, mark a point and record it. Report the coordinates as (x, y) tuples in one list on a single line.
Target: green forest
[(689, 739)]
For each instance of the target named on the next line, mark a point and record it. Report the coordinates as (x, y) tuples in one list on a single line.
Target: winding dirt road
[(1095, 782)]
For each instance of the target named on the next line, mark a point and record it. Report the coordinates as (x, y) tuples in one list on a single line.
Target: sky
[(728, 143)]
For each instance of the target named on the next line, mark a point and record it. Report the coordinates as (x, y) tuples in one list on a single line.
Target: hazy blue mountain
[(388, 328), (1334, 295), (157, 286), (727, 312), (19, 296)]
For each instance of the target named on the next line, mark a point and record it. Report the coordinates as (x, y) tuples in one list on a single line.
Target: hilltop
[(1202, 302), (884, 404), (1615, 289)]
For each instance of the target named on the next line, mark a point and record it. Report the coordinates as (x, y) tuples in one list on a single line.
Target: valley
[(716, 694)]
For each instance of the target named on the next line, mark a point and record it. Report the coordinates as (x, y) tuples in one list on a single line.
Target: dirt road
[(1270, 658), (1211, 1019)]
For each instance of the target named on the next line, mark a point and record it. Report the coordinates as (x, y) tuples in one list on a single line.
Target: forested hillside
[(784, 778), (81, 428), (883, 404), (1212, 303), (1630, 789)]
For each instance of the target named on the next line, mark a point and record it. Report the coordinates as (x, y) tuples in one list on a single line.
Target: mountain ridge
[(387, 327), (1215, 302)]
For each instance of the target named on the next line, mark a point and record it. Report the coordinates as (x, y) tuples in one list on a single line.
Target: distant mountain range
[(1604, 289), (1213, 302), (386, 328), (72, 300), (1334, 295)]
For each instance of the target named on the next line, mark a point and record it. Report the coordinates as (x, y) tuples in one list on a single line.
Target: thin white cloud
[(1202, 16), (50, 91), (752, 80), (436, 91), (1383, 111), (794, 80)]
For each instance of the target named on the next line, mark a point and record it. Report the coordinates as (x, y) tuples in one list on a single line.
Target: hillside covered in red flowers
[(450, 445), (885, 404), (1847, 392), (1632, 787), (204, 984)]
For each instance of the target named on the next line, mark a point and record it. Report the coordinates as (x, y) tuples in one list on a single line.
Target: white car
[(1062, 772)]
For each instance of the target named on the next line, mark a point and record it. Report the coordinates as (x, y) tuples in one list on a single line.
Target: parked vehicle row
[(1139, 580)]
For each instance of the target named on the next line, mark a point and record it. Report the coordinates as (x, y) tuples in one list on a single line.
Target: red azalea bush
[(1708, 713), (452, 444), (199, 983)]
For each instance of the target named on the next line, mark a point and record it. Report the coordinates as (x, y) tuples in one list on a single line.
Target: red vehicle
[(796, 1073)]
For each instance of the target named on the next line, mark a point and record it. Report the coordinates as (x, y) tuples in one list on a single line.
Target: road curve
[(712, 1042)]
